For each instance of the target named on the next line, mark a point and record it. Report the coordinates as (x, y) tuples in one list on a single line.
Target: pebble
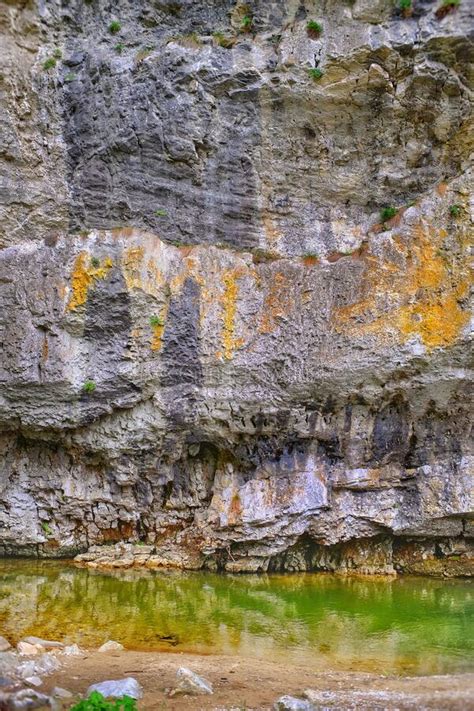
[(291, 703), (118, 688), (27, 649), (34, 680), (191, 683), (4, 644), (72, 650), (61, 693), (111, 646), (45, 643)]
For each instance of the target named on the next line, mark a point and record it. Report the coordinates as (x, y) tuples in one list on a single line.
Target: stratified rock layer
[(210, 344)]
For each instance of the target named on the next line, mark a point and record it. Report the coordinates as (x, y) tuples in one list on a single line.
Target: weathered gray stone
[(291, 703), (191, 683), (60, 693), (4, 644)]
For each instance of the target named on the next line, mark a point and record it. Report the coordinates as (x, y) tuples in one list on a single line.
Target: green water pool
[(401, 625)]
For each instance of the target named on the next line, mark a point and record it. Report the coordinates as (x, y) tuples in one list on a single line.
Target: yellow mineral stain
[(83, 276), (420, 296), (229, 311)]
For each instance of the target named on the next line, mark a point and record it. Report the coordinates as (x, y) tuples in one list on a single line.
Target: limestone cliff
[(212, 342)]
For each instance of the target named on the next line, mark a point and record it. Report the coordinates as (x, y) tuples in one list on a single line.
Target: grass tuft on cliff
[(115, 27), (314, 29), (89, 386), (386, 213), (315, 73)]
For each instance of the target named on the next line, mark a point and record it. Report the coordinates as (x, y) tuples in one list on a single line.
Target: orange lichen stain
[(229, 311), (83, 276), (276, 304), (418, 297), (441, 189)]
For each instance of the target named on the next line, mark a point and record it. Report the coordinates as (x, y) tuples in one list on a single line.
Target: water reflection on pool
[(404, 625)]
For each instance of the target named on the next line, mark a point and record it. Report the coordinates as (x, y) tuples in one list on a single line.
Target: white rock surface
[(27, 649)]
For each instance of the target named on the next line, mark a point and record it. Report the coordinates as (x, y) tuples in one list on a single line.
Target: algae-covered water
[(403, 625)]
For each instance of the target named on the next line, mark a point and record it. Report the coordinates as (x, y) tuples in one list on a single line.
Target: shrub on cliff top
[(96, 702)]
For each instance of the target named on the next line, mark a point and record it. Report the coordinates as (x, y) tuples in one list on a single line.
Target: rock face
[(210, 344)]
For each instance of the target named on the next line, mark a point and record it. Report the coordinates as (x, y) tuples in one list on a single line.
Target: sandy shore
[(255, 684)]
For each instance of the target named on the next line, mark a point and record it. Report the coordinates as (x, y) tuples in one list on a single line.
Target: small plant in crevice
[(49, 63), (310, 258), (406, 8), (70, 76), (160, 213), (57, 54), (95, 262), (224, 40), (156, 321), (115, 27), (246, 24), (455, 210), (96, 702), (387, 213), (46, 528), (314, 29), (89, 386), (315, 73), (446, 7), (119, 47)]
